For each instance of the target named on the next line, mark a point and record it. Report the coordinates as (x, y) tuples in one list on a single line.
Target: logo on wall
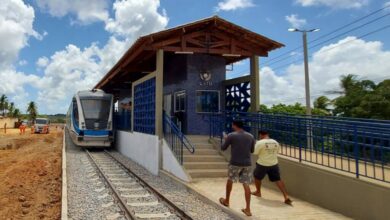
[(206, 78)]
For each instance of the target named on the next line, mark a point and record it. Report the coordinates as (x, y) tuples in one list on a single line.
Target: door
[(180, 101)]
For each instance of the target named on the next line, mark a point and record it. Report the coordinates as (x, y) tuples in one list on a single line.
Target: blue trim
[(96, 132)]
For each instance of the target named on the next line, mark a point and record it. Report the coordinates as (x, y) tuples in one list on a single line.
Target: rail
[(176, 139), (357, 146), (110, 168)]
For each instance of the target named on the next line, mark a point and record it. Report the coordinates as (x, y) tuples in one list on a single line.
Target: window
[(207, 101), (180, 101), (75, 112)]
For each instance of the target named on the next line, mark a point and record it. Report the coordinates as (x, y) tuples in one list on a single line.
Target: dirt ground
[(30, 175)]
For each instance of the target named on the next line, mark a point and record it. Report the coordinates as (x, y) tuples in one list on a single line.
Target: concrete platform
[(270, 206)]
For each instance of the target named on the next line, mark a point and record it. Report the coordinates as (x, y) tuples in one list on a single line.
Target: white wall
[(141, 148), (171, 164)]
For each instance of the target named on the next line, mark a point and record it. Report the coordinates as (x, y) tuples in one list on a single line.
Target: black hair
[(238, 123), (262, 133)]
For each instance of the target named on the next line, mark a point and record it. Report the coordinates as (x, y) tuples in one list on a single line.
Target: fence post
[(181, 149), (356, 150), (299, 140)]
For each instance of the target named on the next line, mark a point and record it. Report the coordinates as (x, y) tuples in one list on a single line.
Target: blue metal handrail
[(176, 139), (358, 146)]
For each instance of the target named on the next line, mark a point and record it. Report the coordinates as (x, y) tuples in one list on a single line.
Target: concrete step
[(202, 151), (202, 146), (203, 158), (198, 139), (195, 173), (205, 165)]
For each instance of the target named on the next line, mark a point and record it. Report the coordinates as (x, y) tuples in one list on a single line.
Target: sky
[(50, 49)]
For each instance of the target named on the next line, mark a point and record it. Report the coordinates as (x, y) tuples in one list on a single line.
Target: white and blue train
[(89, 119)]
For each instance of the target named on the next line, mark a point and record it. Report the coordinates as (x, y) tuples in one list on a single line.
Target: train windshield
[(96, 112)]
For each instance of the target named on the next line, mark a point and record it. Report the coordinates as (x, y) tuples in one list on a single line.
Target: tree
[(321, 104), (3, 103), (11, 109), (32, 111), (16, 113)]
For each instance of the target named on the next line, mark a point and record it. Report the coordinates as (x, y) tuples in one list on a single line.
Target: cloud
[(16, 27), (22, 62), (74, 68), (85, 12), (295, 21), (335, 4), (42, 62), (133, 18), (231, 5), (387, 5), (350, 55)]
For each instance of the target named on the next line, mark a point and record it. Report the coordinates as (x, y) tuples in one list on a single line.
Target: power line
[(331, 48), (330, 33)]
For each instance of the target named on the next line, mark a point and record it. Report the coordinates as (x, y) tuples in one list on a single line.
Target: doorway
[(180, 101)]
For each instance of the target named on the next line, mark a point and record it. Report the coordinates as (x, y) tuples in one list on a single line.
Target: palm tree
[(16, 113), (32, 110), (3, 103), (11, 109), (322, 102)]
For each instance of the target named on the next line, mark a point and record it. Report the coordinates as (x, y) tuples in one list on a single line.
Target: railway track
[(136, 198)]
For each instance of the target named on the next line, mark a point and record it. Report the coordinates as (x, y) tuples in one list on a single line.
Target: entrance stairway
[(206, 162)]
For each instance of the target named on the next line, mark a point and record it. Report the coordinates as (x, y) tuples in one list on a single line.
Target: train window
[(96, 108), (75, 112)]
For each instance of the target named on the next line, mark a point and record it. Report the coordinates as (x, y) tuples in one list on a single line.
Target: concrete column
[(255, 83), (159, 92)]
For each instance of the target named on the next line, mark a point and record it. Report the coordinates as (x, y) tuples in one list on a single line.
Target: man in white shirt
[(267, 164)]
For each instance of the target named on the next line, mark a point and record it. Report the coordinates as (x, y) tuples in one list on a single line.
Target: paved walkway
[(270, 206)]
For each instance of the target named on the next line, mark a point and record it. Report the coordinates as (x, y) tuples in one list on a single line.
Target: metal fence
[(176, 140), (358, 146), (122, 120)]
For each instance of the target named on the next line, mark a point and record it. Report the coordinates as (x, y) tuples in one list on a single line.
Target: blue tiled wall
[(181, 72)]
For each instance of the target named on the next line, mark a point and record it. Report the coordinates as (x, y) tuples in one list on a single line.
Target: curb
[(64, 200), (203, 198)]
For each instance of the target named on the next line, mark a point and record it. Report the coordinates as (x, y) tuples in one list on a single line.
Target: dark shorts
[(241, 174), (272, 172)]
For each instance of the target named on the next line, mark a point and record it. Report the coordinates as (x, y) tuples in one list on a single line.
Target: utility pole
[(309, 131), (306, 60)]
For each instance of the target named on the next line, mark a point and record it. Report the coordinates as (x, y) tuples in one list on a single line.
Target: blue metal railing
[(176, 139), (358, 146), (122, 120)]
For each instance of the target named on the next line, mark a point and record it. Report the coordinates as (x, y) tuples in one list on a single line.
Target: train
[(89, 119)]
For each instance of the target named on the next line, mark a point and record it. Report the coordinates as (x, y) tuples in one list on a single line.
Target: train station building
[(182, 71)]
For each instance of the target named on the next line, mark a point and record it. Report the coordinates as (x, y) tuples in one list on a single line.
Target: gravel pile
[(88, 196), (175, 192)]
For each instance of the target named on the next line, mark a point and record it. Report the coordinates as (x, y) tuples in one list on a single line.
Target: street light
[(307, 82), (309, 132)]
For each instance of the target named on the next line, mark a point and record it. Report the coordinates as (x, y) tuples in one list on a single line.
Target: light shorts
[(241, 174)]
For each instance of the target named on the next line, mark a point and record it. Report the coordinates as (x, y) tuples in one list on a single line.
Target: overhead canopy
[(213, 35)]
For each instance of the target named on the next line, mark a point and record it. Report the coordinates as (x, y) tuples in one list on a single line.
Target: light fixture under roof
[(231, 55), (184, 52)]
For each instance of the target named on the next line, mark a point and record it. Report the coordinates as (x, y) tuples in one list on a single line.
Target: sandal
[(288, 202), (247, 213), (223, 202)]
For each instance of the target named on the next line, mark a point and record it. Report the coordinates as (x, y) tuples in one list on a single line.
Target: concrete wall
[(348, 195), (171, 165), (141, 148), (10, 122), (181, 72), (331, 189)]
